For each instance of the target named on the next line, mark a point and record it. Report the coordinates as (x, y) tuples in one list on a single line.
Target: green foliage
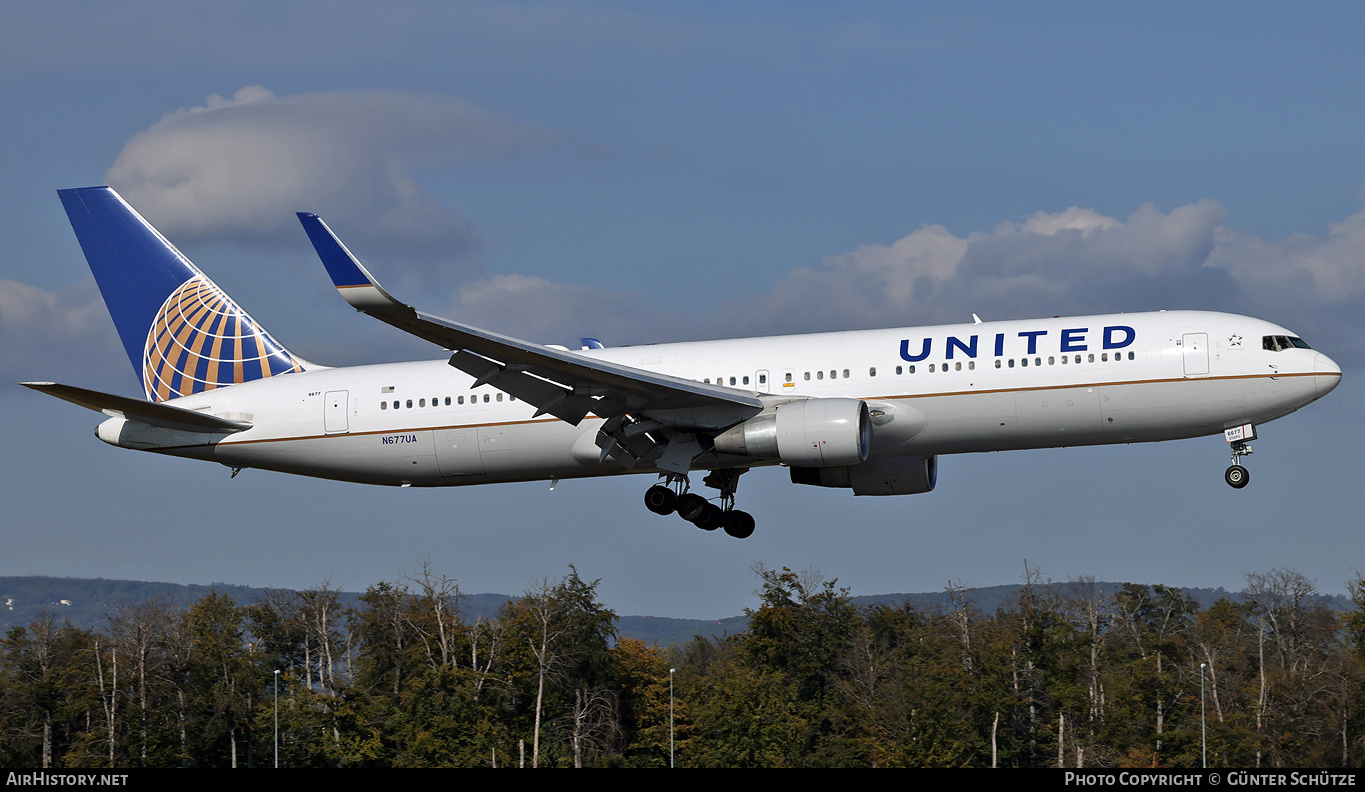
[(1080, 675)]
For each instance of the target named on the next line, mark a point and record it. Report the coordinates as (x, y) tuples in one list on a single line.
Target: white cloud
[(1072, 262), (1328, 269), (59, 335), (554, 313), (237, 169)]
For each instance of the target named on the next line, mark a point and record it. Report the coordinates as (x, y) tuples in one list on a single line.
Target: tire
[(711, 518), (691, 506), (739, 524), (1237, 476), (660, 499)]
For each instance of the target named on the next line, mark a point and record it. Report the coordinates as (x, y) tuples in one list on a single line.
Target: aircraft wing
[(153, 413), (564, 384)]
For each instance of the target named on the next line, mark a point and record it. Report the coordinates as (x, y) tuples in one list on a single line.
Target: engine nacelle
[(894, 476), (811, 433)]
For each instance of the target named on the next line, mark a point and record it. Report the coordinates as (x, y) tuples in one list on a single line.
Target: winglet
[(353, 281)]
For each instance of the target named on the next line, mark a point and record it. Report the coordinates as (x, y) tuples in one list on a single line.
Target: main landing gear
[(675, 495)]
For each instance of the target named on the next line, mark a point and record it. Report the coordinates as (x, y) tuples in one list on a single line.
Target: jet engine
[(893, 476), (815, 433)]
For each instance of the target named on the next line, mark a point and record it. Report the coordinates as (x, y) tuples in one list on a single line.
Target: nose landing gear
[(1237, 476), (674, 495)]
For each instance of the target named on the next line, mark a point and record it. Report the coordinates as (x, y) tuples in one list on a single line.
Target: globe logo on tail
[(201, 340)]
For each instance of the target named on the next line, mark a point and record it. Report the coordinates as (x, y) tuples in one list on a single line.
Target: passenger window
[(788, 376), (931, 368), (1050, 361), (421, 402), (997, 362), (845, 373), (746, 380), (807, 376), (971, 365), (872, 372), (1130, 355), (460, 400), (900, 370), (1104, 357), (383, 405), (499, 395), (912, 369), (819, 375), (447, 401), (957, 366), (485, 398), (1090, 358), (1023, 362), (732, 380), (409, 404)]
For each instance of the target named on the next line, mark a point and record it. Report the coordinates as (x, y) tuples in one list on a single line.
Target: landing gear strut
[(674, 495), (1238, 476)]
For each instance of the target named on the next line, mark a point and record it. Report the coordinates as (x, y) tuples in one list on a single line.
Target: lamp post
[(670, 716), (277, 717), (1203, 734)]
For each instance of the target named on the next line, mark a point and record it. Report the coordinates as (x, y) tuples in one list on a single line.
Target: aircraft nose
[(1326, 374)]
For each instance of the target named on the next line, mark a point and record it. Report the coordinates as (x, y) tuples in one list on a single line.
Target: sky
[(667, 172)]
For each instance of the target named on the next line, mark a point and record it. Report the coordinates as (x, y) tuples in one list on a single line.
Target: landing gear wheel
[(711, 518), (739, 524), (1237, 476), (660, 499), (691, 507)]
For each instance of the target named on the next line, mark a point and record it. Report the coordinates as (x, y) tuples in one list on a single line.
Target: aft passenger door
[(334, 407)]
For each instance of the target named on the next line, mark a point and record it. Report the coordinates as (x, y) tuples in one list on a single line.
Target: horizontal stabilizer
[(146, 412)]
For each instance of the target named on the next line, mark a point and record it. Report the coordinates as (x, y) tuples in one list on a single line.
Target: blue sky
[(645, 172)]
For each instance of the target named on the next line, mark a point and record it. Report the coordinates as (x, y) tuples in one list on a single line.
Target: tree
[(220, 673), (43, 691), (561, 634)]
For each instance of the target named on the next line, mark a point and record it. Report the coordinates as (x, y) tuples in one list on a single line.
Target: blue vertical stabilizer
[(182, 333)]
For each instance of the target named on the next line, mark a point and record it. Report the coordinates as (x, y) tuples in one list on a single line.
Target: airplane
[(869, 411)]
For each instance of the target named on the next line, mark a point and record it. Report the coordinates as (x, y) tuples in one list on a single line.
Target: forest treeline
[(1074, 674)]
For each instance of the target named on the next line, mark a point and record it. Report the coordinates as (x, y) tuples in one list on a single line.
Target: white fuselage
[(991, 386)]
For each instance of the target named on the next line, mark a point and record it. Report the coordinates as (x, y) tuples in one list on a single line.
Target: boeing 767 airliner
[(868, 410)]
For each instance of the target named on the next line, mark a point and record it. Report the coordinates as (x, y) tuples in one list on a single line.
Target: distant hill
[(88, 602)]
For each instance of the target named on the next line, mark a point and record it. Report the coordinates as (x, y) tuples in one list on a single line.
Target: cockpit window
[(1278, 343)]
